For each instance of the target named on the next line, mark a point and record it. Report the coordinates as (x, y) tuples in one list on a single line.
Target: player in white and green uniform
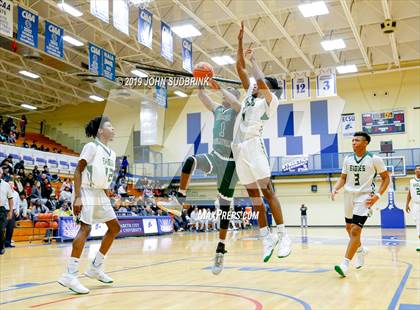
[(413, 196), (357, 178), (91, 205), (219, 162)]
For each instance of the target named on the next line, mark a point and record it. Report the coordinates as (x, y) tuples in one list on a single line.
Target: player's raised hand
[(241, 32), (214, 85), (371, 200), (250, 54)]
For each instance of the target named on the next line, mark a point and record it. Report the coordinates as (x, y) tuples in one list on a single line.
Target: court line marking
[(118, 270), (305, 305), (400, 288), (258, 305)]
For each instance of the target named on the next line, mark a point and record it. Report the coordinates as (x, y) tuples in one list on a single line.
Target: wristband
[(378, 195)]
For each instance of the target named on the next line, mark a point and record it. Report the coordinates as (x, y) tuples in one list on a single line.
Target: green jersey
[(224, 123)]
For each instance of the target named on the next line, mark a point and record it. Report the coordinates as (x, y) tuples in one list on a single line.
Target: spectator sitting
[(18, 183), (7, 165), (35, 172), (66, 183), (47, 149), (30, 179), (46, 189), (149, 211), (12, 138), (23, 207), (52, 202), (122, 190), (38, 208), (63, 210), (65, 194), (134, 210), (28, 189), (19, 165), (46, 171), (36, 192), (25, 144), (33, 146), (41, 148)]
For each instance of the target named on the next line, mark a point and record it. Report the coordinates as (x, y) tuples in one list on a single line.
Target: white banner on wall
[(326, 85), (100, 9), (348, 124), (6, 18), (301, 85), (120, 15)]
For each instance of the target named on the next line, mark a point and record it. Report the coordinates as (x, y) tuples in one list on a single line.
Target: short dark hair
[(93, 126), (274, 86), (362, 134), (417, 166)]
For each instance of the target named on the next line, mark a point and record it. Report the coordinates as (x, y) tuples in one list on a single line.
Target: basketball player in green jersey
[(357, 178), (91, 205), (219, 162)]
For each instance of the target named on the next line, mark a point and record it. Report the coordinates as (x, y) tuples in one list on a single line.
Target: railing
[(173, 169)]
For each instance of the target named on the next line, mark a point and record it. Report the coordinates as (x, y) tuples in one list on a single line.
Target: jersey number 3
[(356, 179)]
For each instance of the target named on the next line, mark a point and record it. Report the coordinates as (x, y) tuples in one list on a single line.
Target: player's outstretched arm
[(258, 75), (230, 98), (206, 100), (340, 183), (240, 60), (407, 204), (77, 203)]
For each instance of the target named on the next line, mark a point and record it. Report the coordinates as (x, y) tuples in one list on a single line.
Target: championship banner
[(108, 65), (161, 96), (6, 18), (100, 9), (95, 59), (167, 42), (120, 16), (301, 85), (27, 31), (187, 55), (294, 163), (145, 29), (348, 124), (54, 43), (326, 84), (282, 83)]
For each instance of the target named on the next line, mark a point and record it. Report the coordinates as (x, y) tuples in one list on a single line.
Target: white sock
[(264, 232), (281, 230), (98, 260), (222, 241), (73, 265), (346, 262)]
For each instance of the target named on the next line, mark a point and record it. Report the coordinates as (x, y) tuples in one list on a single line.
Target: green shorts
[(223, 168)]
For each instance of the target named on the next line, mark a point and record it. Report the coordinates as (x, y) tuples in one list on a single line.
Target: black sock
[(221, 248)]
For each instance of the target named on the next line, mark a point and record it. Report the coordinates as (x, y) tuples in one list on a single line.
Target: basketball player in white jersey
[(357, 177), (91, 205), (414, 196), (252, 163)]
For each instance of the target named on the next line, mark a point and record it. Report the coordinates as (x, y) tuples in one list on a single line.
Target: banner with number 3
[(326, 85), (301, 85)]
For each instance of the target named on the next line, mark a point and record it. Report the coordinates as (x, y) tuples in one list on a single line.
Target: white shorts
[(415, 211), (355, 204), (251, 161), (96, 206)]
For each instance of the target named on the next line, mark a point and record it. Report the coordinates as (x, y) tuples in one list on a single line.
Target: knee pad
[(188, 165), (224, 207)]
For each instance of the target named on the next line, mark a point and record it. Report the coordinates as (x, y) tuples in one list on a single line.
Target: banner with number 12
[(301, 85)]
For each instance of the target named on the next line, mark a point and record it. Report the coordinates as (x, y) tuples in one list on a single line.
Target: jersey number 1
[(356, 179)]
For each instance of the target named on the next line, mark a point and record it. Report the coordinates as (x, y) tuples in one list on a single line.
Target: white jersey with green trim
[(415, 190), (100, 168), (361, 172)]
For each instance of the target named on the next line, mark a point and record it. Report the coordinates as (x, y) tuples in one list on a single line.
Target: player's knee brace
[(224, 207), (189, 165)]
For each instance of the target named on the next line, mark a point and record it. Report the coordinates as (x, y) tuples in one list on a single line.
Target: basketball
[(203, 70)]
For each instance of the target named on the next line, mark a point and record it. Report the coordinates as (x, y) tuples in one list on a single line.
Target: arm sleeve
[(379, 164), (88, 152), (344, 170)]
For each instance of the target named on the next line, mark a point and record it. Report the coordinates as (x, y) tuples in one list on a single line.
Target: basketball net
[(139, 3)]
